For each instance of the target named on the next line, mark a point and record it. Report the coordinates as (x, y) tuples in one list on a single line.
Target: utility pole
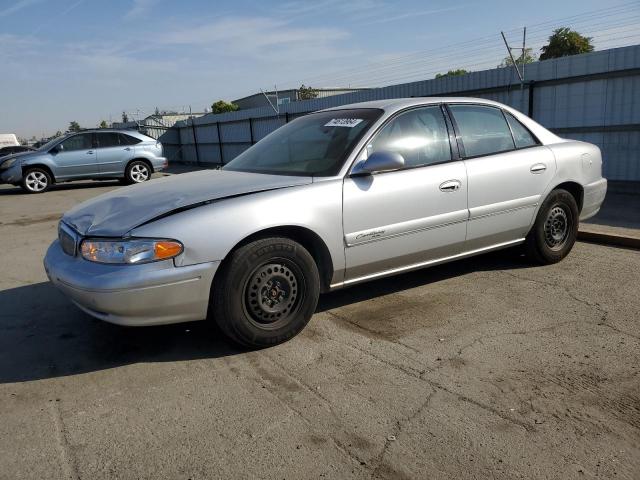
[(509, 50), (277, 107)]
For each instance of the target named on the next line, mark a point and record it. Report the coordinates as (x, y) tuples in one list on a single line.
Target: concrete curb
[(613, 238)]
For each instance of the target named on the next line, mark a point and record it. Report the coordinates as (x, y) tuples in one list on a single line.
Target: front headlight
[(7, 163), (134, 251)]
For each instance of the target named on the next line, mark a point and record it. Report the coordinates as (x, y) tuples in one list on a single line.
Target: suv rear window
[(128, 139)]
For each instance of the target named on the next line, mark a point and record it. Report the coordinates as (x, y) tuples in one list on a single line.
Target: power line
[(482, 43), (492, 53)]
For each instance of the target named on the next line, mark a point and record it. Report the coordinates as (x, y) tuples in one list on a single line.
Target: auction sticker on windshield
[(343, 122)]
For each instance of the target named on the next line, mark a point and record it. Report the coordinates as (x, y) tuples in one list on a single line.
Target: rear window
[(521, 134), (128, 139)]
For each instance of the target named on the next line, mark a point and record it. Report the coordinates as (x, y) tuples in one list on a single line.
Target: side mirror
[(57, 149), (381, 161)]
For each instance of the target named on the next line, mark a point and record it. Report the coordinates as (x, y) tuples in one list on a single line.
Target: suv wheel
[(266, 292), (36, 180), (555, 229), (137, 172)]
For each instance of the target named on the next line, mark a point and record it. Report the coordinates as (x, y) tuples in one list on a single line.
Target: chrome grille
[(67, 239)]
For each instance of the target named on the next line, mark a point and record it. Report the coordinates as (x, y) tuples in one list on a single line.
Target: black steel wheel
[(555, 229), (265, 292)]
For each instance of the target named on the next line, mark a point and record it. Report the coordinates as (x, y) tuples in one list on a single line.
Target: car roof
[(133, 133), (395, 104), (107, 130)]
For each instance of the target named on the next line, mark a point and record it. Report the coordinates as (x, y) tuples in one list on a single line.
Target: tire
[(36, 180), (555, 229), (266, 292), (137, 172)]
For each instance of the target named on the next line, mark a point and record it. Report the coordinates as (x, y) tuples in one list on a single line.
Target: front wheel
[(266, 292), (555, 229), (137, 172), (36, 180)]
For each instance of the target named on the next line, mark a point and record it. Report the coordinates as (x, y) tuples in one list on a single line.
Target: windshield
[(315, 145), (51, 143)]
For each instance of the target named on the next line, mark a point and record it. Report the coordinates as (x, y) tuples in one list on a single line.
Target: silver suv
[(91, 154)]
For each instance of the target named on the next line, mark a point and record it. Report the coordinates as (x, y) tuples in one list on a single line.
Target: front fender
[(210, 232)]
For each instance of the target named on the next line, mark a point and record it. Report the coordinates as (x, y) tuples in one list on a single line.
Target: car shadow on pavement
[(43, 335), (508, 259)]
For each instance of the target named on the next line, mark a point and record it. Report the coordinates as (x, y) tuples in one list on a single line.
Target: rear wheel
[(266, 292), (555, 229), (36, 180), (137, 172)]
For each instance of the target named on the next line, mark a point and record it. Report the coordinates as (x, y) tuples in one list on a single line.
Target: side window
[(128, 139), (107, 139), (521, 135), (483, 129), (78, 142), (419, 135)]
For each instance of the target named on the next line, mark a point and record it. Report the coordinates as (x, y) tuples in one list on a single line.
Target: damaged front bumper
[(135, 295), (11, 175)]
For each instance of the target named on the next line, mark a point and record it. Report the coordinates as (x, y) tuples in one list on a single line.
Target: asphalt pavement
[(483, 368)]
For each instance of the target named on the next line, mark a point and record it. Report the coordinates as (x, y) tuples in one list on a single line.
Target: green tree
[(103, 124), (58, 134), (307, 93), (452, 73), (74, 126), (125, 117), (222, 107), (566, 42), (525, 57)]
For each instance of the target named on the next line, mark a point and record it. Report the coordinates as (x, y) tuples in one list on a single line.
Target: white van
[(8, 140)]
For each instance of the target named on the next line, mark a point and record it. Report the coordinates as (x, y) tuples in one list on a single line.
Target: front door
[(75, 157), (404, 218), (113, 153), (508, 171)]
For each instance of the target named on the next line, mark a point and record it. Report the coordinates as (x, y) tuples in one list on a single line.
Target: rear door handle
[(128, 148), (538, 168), (450, 186), (90, 152)]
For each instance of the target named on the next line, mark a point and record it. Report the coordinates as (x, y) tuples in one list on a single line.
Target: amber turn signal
[(165, 249)]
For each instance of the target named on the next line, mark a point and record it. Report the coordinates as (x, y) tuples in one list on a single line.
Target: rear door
[(508, 170), (77, 157), (113, 153), (399, 219)]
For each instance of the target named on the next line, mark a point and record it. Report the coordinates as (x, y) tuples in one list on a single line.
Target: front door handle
[(90, 152), (538, 168), (128, 149), (450, 186)]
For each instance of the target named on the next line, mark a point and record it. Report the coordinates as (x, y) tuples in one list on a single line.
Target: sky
[(89, 60)]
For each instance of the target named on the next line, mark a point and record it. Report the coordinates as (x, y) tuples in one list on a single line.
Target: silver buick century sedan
[(331, 199)]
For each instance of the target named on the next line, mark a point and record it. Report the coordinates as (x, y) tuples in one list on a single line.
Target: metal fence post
[(195, 142), (220, 143), (530, 101), (251, 130)]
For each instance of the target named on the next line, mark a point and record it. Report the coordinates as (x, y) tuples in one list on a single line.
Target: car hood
[(115, 213), (15, 155)]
